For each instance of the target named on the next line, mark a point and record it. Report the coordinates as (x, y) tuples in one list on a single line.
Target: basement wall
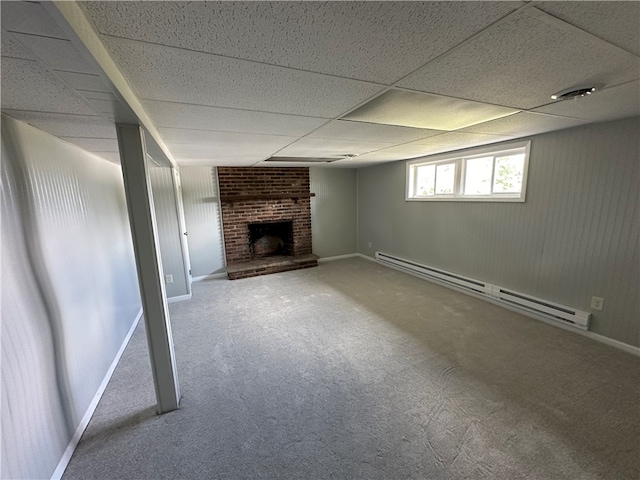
[(69, 292), (576, 236), (334, 211)]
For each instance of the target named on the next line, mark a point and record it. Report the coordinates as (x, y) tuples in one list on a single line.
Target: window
[(486, 174)]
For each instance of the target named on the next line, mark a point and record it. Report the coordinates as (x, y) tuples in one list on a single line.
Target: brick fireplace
[(266, 220)]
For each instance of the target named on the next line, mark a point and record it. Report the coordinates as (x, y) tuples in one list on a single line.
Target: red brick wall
[(262, 181)]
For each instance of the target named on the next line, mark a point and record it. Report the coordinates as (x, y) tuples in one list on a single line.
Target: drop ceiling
[(235, 83)]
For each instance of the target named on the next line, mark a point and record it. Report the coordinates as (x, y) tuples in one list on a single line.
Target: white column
[(133, 157)]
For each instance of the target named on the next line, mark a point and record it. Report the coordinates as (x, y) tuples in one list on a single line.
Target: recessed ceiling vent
[(302, 159), (573, 93), (345, 156)]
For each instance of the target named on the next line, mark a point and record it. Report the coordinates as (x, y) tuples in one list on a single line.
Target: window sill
[(467, 199)]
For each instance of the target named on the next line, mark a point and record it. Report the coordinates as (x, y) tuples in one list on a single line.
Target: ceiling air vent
[(302, 159), (573, 93)]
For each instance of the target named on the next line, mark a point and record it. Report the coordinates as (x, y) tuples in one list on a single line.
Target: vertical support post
[(133, 157)]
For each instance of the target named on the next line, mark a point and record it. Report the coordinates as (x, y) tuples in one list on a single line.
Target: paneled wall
[(334, 213), (577, 235), (202, 217), (169, 235), (69, 292)]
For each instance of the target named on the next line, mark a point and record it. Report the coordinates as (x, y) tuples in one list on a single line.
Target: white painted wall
[(334, 225), (69, 291), (575, 237)]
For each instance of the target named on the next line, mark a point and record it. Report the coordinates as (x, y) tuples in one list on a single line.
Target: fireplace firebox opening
[(271, 238)]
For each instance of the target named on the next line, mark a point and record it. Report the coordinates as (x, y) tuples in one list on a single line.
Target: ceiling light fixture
[(573, 92), (426, 110)]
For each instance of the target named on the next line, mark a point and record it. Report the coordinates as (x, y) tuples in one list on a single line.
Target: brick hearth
[(256, 195)]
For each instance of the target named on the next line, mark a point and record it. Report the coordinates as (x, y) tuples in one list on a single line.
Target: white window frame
[(460, 158)]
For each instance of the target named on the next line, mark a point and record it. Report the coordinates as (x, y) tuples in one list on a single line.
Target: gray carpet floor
[(352, 370)]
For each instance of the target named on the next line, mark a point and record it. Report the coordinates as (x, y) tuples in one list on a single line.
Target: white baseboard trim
[(366, 257), (614, 343), (595, 336), (585, 333), (73, 443), (337, 257), (208, 277), (179, 298)]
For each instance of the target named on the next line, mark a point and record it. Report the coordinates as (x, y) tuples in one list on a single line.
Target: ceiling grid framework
[(234, 83), (39, 65)]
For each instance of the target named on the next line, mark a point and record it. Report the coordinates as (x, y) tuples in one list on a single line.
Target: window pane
[(477, 179), (425, 180), (508, 174), (445, 177)]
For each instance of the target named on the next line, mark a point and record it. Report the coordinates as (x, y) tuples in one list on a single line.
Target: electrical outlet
[(597, 303), (369, 244), (168, 278)]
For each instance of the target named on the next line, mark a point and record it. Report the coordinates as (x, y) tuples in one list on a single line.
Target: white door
[(182, 226)]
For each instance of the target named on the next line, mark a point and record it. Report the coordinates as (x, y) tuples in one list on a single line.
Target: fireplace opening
[(271, 238)]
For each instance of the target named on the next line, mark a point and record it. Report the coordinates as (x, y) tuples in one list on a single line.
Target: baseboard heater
[(528, 304)]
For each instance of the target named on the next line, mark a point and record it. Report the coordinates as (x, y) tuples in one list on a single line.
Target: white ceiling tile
[(13, 48), (354, 164), (207, 162), (83, 81), (615, 22), (62, 125), (608, 104), (29, 17), (446, 142), (270, 163), (94, 144), (524, 124), (412, 150), (308, 160), (198, 117), (521, 62), (390, 154), (26, 85), (181, 135), (163, 73), (56, 54), (342, 163), (207, 155), (456, 140), (399, 152), (374, 41), (423, 110), (320, 147), (371, 132), (204, 161), (221, 146), (110, 108)]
